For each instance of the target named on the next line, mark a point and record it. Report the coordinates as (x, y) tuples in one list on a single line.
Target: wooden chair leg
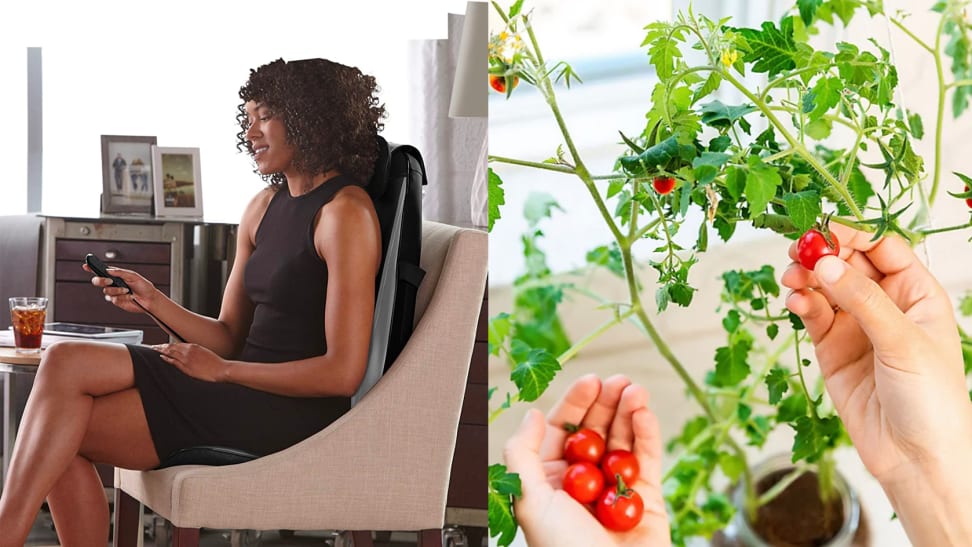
[(362, 538), (430, 538), (127, 521), (185, 537)]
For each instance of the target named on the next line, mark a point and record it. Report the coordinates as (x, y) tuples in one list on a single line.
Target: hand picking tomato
[(583, 445), (813, 245), (498, 82), (620, 462), (619, 508), (583, 481), (663, 185)]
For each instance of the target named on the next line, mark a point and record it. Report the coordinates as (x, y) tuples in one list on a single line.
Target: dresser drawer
[(80, 302), (131, 252), (70, 270)]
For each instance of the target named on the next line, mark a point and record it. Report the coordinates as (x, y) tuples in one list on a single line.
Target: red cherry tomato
[(813, 245), (620, 462), (584, 445), (663, 185), (968, 201), (583, 481), (619, 508), (498, 82)]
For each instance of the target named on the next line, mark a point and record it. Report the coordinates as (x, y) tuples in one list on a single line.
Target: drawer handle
[(111, 255)]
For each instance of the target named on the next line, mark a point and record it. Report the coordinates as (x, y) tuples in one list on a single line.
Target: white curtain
[(452, 147)]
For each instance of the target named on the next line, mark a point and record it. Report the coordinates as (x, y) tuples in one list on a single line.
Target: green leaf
[(538, 206), (731, 321), (711, 84), (721, 116), (502, 487), (732, 361), (772, 49), (814, 436), (720, 143), (965, 305), (732, 465), (757, 430), (803, 208), (772, 330), (499, 329), (496, 197), (844, 9), (661, 154), (533, 374), (707, 165), (515, 9), (609, 257), (761, 183), (776, 382), (915, 125), (792, 407), (663, 51), (819, 130), (735, 182), (822, 97), (807, 10)]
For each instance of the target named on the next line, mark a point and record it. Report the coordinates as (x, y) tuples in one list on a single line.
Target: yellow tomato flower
[(729, 57)]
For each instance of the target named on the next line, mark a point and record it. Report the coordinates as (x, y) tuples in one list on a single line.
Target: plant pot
[(796, 517)]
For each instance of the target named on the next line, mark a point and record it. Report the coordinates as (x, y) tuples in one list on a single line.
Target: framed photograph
[(126, 163), (177, 185)]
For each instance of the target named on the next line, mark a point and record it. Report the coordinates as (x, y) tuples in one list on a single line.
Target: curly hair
[(331, 112)]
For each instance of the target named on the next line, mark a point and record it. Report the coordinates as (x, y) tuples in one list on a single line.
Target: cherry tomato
[(584, 445), (619, 508), (663, 185), (583, 481), (498, 82), (813, 245), (968, 201), (620, 462)]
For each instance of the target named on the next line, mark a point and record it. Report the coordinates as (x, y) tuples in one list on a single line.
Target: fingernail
[(107, 298), (829, 269)]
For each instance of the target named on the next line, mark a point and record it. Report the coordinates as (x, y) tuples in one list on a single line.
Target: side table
[(16, 367)]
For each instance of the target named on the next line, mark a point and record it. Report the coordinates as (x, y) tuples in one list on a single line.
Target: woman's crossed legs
[(83, 408)]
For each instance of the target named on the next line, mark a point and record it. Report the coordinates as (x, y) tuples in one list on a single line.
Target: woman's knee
[(57, 360)]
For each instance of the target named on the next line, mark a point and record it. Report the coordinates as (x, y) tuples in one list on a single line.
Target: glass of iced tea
[(27, 313)]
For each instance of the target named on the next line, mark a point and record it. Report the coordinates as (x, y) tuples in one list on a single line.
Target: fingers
[(570, 409), (622, 433), (522, 452), (602, 414), (878, 316), (814, 310), (648, 445)]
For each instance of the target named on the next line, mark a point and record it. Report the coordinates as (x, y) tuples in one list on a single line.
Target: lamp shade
[(469, 86)]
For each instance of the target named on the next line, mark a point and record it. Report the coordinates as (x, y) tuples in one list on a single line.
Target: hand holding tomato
[(887, 343), (615, 409)]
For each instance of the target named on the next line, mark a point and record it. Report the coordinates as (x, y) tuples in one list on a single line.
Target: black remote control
[(99, 269)]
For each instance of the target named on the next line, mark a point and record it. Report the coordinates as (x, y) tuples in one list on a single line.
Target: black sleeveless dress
[(287, 282)]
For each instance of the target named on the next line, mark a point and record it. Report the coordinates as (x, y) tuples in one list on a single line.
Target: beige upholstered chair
[(383, 466)]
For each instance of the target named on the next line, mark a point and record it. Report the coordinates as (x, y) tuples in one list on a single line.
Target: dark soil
[(797, 517)]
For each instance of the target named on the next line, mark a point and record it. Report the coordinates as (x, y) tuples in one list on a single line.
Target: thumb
[(522, 451), (858, 295)]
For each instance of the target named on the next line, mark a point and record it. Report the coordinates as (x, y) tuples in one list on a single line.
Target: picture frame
[(178, 189), (127, 174)]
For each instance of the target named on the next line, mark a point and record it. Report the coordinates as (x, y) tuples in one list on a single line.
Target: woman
[(291, 342)]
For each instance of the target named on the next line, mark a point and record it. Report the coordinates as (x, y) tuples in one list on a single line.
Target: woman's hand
[(617, 410), (142, 289), (194, 360), (887, 343)]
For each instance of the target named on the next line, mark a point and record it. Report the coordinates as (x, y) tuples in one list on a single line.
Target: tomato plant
[(620, 462), (498, 82), (619, 508), (583, 481), (814, 245), (584, 445)]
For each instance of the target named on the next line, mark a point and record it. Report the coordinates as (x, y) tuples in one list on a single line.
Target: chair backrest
[(396, 189)]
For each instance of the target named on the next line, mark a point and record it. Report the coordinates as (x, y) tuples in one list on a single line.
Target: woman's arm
[(348, 238), (224, 336)]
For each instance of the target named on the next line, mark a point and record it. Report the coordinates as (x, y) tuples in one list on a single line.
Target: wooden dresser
[(187, 260)]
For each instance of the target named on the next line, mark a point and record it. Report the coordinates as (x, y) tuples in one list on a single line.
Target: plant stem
[(803, 382), (945, 229), (557, 168), (940, 119), (959, 83), (782, 484)]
